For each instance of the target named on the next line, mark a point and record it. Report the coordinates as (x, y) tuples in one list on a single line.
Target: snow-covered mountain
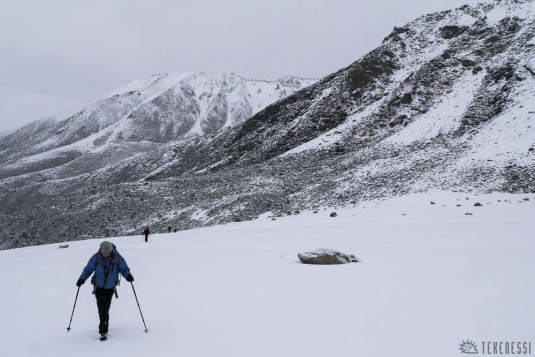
[(140, 115), (446, 101)]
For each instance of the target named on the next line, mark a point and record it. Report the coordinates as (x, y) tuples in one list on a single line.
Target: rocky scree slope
[(447, 101)]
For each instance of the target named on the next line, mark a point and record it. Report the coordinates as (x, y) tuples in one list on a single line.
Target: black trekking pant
[(104, 297)]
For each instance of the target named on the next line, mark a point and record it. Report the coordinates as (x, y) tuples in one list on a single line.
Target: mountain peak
[(158, 109), (445, 102)]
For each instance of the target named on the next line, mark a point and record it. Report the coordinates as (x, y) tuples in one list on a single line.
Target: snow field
[(430, 278)]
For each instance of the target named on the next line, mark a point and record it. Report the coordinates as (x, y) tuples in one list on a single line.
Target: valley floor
[(431, 277)]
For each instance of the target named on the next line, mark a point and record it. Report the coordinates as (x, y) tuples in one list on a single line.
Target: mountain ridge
[(447, 101), (156, 110)]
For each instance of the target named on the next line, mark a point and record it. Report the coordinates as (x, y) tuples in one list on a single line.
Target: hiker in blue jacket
[(107, 263)]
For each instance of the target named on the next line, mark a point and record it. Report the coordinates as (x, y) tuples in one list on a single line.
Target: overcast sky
[(57, 55)]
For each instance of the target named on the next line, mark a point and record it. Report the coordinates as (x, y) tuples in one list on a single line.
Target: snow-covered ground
[(430, 278)]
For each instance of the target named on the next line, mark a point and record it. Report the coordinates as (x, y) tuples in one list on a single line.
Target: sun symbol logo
[(468, 347)]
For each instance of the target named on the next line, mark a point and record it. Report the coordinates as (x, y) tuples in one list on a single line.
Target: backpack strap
[(94, 278), (118, 282)]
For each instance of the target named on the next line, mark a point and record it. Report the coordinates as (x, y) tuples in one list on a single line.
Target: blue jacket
[(96, 264)]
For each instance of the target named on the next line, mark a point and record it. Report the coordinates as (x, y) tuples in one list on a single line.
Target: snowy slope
[(458, 45), (444, 102), (430, 278), (137, 116)]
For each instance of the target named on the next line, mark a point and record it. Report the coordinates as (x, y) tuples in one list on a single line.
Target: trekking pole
[(75, 299), (134, 290)]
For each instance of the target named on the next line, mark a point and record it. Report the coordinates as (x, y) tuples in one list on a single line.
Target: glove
[(80, 282), (130, 278)]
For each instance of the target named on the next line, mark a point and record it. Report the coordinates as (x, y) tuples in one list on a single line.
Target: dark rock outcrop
[(326, 257)]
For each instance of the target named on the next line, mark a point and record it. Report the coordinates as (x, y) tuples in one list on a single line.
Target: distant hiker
[(169, 229), (175, 230), (146, 232), (107, 263)]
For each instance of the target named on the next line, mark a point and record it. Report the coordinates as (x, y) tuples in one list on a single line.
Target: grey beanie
[(106, 247)]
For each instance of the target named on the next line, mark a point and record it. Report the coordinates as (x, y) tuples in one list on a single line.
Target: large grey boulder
[(326, 257)]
